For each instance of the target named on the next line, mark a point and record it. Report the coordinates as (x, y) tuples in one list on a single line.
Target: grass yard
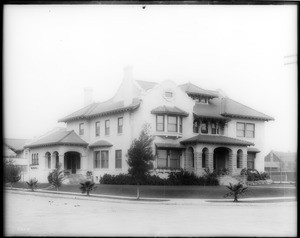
[(190, 192)]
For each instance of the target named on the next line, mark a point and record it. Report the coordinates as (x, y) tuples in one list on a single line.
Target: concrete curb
[(143, 200)]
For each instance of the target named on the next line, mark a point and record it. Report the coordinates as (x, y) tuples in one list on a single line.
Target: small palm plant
[(236, 190), (32, 184), (87, 187), (56, 177)]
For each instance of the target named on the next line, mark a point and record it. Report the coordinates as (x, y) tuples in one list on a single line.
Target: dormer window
[(203, 100), (81, 129), (168, 94), (214, 128)]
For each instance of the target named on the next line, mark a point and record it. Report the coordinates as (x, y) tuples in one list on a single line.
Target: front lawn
[(192, 192)]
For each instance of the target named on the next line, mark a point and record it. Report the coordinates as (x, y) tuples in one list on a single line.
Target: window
[(81, 129), (104, 159), (37, 158), (118, 159), (48, 160), (120, 124), (214, 128), (239, 159), (240, 129), (168, 94), (204, 127), (180, 124), (97, 128), (196, 126), (107, 127), (162, 158), (174, 159), (97, 160), (202, 100), (77, 162), (204, 157), (245, 130), (172, 124), (160, 121), (250, 130)]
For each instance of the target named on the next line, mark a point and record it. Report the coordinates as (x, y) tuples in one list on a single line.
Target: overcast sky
[(51, 53)]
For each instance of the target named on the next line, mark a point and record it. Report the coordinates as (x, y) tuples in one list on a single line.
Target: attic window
[(168, 94)]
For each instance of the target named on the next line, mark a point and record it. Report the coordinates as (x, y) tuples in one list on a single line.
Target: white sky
[(51, 53)]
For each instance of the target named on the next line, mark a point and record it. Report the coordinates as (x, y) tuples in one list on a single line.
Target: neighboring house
[(193, 129), (14, 150), (282, 166)]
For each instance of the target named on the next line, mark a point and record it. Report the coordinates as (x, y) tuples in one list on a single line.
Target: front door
[(73, 166)]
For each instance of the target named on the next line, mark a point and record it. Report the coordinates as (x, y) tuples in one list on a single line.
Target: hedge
[(174, 178)]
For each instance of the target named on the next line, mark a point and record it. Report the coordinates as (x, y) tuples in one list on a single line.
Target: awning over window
[(169, 111), (101, 143), (169, 146)]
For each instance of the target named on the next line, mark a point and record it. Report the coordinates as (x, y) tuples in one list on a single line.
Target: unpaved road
[(29, 215)]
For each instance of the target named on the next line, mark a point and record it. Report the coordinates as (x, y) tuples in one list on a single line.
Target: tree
[(56, 177), (140, 157), (12, 172), (236, 190), (87, 187)]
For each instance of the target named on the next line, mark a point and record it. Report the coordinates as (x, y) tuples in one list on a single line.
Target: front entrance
[(250, 160), (72, 161), (221, 158)]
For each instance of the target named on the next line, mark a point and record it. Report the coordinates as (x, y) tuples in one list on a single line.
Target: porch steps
[(74, 179), (224, 180)]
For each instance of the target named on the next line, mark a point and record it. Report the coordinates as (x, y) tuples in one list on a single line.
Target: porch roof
[(101, 143), (169, 145), (253, 149), (61, 137), (216, 139), (169, 111)]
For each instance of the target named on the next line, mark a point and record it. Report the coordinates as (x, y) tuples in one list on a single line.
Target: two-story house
[(193, 129)]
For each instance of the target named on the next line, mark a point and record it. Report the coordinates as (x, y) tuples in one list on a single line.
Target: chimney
[(88, 96), (128, 72)]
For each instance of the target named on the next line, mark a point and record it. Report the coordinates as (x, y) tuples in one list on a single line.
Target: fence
[(283, 176)]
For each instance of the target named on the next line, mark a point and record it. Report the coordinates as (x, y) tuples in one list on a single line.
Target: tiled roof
[(169, 111), (8, 152), (190, 88), (101, 143), (253, 149), (225, 108), (210, 139), (59, 138), (16, 144), (232, 108), (146, 85), (286, 156), (103, 108), (210, 110), (169, 145)]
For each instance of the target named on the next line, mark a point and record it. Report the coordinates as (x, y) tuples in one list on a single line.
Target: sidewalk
[(143, 200)]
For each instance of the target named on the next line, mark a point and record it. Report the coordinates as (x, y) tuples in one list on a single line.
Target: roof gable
[(16, 144), (146, 85), (58, 138)]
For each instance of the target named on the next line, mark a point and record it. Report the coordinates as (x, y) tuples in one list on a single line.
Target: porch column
[(61, 160), (244, 160), (232, 163), (210, 161), (198, 162)]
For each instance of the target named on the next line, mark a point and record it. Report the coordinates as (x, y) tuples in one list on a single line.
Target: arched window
[(56, 158), (48, 160), (204, 157), (239, 159)]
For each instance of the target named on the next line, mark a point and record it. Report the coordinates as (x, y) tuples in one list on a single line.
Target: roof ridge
[(69, 132), (247, 107)]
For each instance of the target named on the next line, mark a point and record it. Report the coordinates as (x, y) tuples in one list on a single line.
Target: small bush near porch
[(174, 178)]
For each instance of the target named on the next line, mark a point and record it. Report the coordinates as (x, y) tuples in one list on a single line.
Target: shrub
[(264, 175), (12, 172), (32, 184), (87, 187), (211, 178), (253, 175)]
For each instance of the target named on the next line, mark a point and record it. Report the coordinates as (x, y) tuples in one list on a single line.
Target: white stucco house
[(193, 129)]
